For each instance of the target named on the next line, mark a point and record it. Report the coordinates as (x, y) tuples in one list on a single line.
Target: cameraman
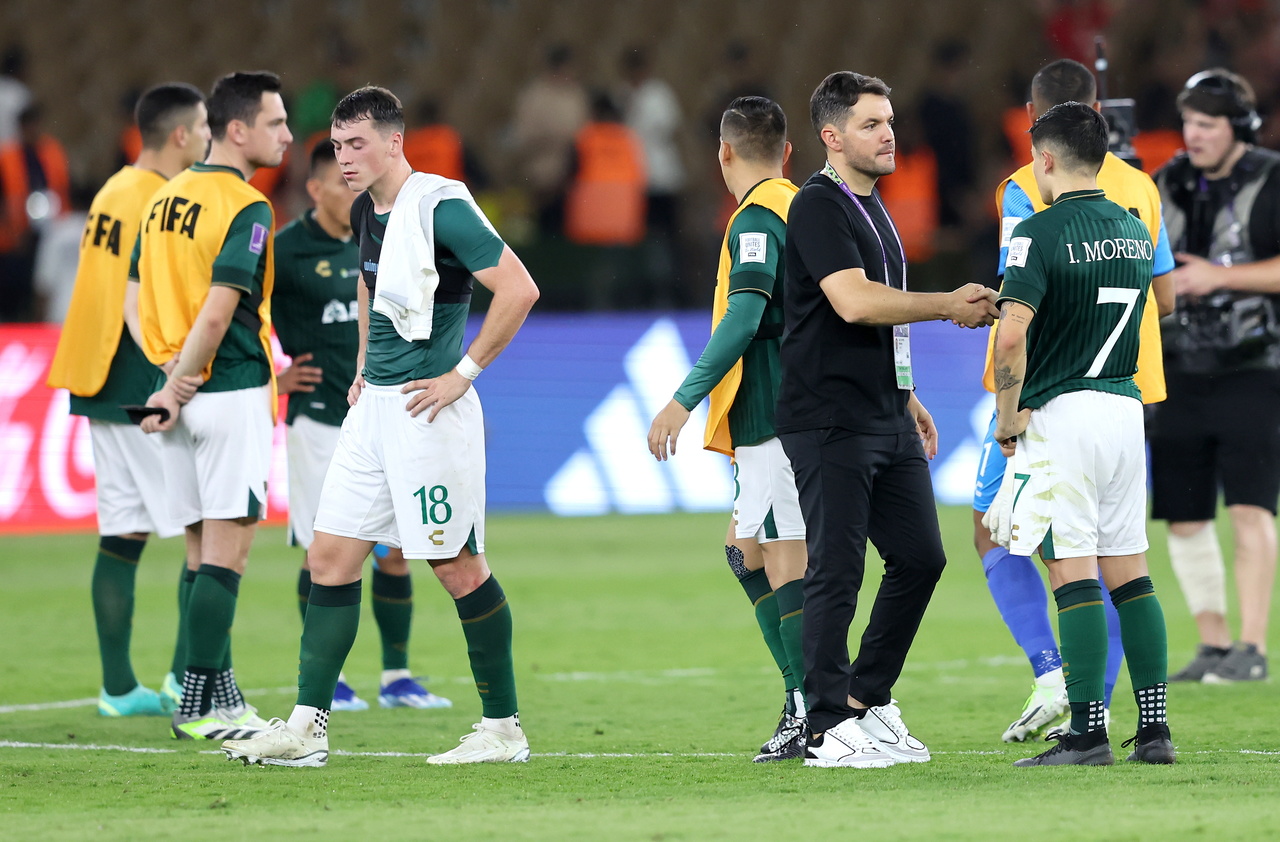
[(1220, 426)]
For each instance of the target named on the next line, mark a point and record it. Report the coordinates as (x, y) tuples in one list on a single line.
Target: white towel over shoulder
[(407, 276)]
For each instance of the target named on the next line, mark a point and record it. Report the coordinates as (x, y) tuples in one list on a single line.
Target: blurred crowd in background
[(587, 130)]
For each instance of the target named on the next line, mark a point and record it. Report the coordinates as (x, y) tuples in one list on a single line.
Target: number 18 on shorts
[(399, 480)]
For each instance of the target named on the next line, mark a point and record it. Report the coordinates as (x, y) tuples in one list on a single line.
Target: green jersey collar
[(201, 167), (1081, 194)]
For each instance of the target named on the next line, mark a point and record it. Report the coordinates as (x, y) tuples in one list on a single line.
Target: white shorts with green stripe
[(398, 480), (1080, 478), (766, 506)]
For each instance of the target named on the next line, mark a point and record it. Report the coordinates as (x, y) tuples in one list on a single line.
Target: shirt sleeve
[(134, 257), (756, 241), (1164, 255), (1025, 272), (239, 263), (356, 214), (728, 343), (823, 236), (290, 339), (461, 230), (1014, 207)]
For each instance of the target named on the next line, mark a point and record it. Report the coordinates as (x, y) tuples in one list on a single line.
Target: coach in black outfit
[(858, 438)]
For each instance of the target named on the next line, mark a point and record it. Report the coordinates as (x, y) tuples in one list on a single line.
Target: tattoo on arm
[(1007, 312), (1005, 379)]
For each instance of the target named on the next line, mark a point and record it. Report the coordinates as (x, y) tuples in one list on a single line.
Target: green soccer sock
[(211, 609), (790, 599), (1082, 633), (765, 601), (755, 584), (393, 611), (185, 582), (333, 617), (1146, 646), (486, 623), (114, 574), (304, 591)]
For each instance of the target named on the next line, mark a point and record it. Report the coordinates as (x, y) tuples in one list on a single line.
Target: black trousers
[(855, 486)]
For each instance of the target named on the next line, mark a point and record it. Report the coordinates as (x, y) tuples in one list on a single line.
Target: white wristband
[(467, 367)]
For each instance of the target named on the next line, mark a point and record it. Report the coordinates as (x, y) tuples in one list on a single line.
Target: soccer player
[(100, 363), (314, 312), (1015, 581), (857, 435), (409, 468), (1069, 417), (739, 369), (204, 268)]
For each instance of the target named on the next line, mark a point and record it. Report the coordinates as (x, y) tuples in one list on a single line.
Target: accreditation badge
[(902, 357)]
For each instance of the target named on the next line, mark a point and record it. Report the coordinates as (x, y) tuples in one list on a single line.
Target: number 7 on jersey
[(1113, 295)]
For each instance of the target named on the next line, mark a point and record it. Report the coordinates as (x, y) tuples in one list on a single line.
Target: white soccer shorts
[(397, 480), (218, 456), (130, 480), (766, 505), (1080, 478), (311, 444)]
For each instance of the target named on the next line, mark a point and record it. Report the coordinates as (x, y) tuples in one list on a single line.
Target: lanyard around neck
[(830, 172)]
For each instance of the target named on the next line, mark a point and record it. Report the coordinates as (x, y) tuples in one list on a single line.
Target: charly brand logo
[(615, 471)]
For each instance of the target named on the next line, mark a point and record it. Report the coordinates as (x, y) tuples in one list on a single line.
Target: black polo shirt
[(836, 374)]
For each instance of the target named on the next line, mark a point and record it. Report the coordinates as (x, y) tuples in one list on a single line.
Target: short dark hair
[(1077, 132), (756, 128), (322, 155), (378, 105), (238, 96), (839, 92), (1219, 93), (162, 108), (1062, 81)]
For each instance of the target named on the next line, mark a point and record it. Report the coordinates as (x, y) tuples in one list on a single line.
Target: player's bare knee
[(394, 563), (463, 574), (335, 560), (1188, 528)]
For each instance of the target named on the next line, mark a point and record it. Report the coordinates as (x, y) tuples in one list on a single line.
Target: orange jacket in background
[(435, 149), (911, 196), (15, 188), (606, 203), (1156, 147), (1014, 124)]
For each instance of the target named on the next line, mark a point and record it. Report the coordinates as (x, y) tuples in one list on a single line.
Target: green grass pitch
[(645, 689)]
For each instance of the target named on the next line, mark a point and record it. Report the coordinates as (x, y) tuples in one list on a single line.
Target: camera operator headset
[(1220, 427)]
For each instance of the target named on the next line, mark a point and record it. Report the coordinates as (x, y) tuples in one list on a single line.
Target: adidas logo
[(615, 471)]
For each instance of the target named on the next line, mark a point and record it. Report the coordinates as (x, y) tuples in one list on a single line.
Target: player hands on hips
[(409, 467)]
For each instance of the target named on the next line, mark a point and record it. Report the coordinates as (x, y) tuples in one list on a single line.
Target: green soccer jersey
[(240, 361), (313, 308), (463, 245), (130, 381), (1084, 266), (750, 330), (751, 416)]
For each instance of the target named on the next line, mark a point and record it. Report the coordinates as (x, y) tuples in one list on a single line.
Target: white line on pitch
[(570, 755)]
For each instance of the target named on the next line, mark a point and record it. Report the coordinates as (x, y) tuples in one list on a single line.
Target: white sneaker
[(1046, 704), (246, 716), (279, 745), (217, 724), (884, 725), (845, 744), (500, 741)]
